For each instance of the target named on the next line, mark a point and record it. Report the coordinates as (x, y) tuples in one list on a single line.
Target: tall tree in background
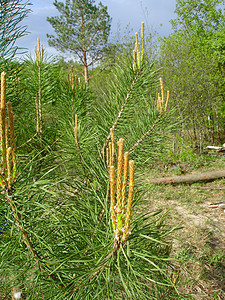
[(193, 63), (12, 12), (199, 16), (81, 29)]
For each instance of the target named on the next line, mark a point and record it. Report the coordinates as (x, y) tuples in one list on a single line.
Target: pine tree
[(11, 15), (81, 29)]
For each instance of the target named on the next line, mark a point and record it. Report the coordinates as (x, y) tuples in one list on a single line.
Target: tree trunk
[(85, 69), (207, 176), (84, 49)]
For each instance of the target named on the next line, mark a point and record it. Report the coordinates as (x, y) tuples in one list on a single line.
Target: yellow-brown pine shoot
[(159, 102), (112, 196), (39, 52), (16, 84), (8, 167), (36, 52), (6, 133), (138, 52), (125, 172), (110, 150), (72, 80), (12, 138), (162, 89), (167, 100), (118, 189), (7, 139), (130, 199), (113, 146), (110, 153), (119, 173), (42, 51), (139, 55), (3, 90), (2, 120), (75, 129), (162, 104)]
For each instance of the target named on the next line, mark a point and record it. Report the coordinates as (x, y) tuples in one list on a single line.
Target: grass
[(199, 245)]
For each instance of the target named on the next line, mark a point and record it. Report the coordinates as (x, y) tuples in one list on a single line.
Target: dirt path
[(200, 244)]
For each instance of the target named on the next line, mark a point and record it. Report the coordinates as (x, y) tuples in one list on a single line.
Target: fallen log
[(207, 176), (219, 149)]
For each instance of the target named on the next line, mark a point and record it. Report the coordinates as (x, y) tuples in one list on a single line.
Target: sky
[(155, 13)]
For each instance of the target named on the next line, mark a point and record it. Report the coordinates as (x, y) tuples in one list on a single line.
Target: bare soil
[(199, 246)]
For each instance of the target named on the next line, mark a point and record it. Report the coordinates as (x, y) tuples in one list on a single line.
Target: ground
[(199, 246)]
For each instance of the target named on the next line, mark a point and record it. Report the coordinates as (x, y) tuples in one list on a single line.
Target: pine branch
[(145, 134), (28, 141), (26, 239), (91, 39), (121, 110), (162, 104), (77, 139), (116, 247)]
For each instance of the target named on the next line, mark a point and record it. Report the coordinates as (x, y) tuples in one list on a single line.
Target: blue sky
[(155, 13)]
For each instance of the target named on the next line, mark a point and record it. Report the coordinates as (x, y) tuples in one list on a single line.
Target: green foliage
[(215, 43), (192, 59), (23, 93), (200, 16), (11, 15)]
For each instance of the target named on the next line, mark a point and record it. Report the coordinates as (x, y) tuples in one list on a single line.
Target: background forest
[(81, 138)]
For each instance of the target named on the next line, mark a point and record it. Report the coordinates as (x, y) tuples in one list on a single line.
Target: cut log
[(207, 176), (216, 148)]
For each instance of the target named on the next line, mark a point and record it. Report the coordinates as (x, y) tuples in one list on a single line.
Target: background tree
[(193, 58), (11, 14), (201, 16), (81, 29)]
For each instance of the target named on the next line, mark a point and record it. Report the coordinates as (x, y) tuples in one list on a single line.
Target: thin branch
[(27, 141), (56, 140), (81, 159), (121, 111), (145, 134), (27, 240), (116, 247), (91, 39), (95, 60)]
